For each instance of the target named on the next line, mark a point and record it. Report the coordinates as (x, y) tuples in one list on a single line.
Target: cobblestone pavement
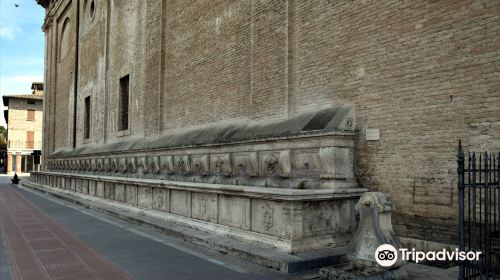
[(44, 238)]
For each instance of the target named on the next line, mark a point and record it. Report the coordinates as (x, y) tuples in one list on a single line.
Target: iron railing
[(479, 212)]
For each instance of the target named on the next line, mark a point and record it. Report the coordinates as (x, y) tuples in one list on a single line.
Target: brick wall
[(426, 73), (19, 124)]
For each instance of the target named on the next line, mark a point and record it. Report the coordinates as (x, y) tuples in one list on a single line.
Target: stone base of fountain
[(373, 233)]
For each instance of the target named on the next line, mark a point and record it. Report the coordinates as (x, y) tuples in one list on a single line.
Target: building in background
[(24, 118)]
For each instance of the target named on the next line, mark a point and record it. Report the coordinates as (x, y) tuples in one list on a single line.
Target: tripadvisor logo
[(386, 255)]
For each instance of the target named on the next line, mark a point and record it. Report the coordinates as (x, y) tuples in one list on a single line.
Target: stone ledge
[(262, 255), (247, 191), (334, 120)]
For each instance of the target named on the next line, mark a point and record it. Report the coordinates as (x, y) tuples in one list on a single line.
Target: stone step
[(265, 256)]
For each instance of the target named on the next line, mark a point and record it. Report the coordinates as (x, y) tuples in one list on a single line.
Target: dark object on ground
[(15, 180)]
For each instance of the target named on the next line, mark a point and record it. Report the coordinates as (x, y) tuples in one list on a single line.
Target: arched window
[(64, 45)]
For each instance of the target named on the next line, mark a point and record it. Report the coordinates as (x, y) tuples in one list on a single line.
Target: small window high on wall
[(31, 115), (123, 102), (87, 118)]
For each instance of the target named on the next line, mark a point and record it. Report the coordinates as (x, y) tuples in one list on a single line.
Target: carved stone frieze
[(182, 165), (132, 165), (246, 164), (336, 163), (122, 164), (167, 164), (142, 165), (221, 164), (153, 165), (93, 164), (100, 164), (276, 164), (267, 216), (200, 165)]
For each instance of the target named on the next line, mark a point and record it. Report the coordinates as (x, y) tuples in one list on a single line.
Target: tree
[(3, 138)]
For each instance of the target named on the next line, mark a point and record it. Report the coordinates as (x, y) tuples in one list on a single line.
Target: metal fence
[(479, 212)]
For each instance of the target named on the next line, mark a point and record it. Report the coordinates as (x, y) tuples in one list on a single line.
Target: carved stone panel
[(306, 163), (180, 203), (93, 165), (328, 217), (84, 186), (114, 165), (246, 164), (234, 211), (78, 184), (119, 193), (142, 165), (153, 165), (220, 164), (131, 165), (106, 165), (266, 217), (336, 163), (145, 197), (100, 189), (92, 187), (122, 164), (182, 165), (199, 165), (131, 195), (167, 164), (108, 190), (275, 163), (100, 164), (161, 199), (204, 207)]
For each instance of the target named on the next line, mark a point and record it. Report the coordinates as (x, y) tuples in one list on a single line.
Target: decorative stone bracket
[(375, 229)]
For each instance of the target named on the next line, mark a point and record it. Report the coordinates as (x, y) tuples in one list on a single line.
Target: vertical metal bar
[(460, 171), (468, 269), (494, 194), (473, 225), (486, 263), (480, 172)]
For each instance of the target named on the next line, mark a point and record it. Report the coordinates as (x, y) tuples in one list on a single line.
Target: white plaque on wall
[(372, 134)]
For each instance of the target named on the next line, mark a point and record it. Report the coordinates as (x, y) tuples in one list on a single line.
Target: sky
[(21, 47)]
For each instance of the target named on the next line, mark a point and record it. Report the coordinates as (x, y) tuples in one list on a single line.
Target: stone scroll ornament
[(374, 230)]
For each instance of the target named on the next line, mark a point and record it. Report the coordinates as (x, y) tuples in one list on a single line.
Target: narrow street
[(44, 239)]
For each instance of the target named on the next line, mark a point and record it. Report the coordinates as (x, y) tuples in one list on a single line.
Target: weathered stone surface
[(374, 229), (145, 197), (180, 203), (291, 220), (119, 194)]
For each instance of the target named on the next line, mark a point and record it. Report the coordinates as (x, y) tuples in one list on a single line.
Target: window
[(87, 118), (92, 10), (64, 40), (31, 115), (31, 102), (123, 102), (30, 139)]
